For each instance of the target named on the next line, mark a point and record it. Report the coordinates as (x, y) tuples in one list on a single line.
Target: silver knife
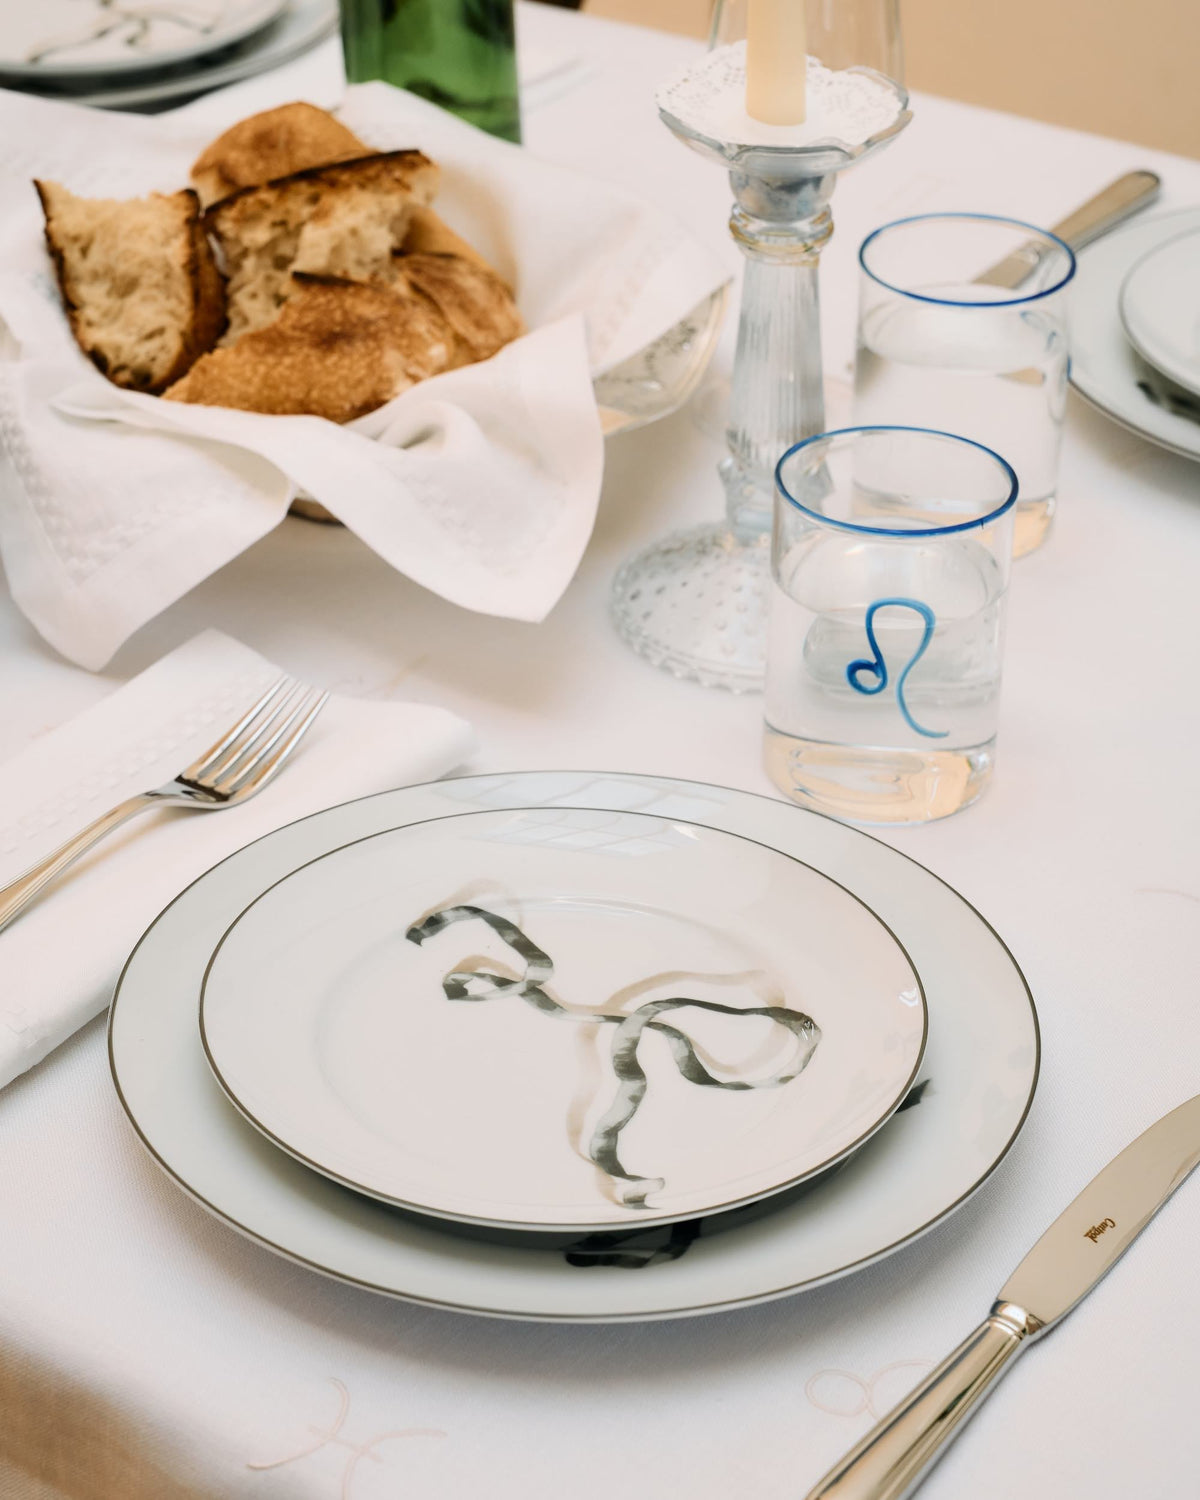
[(1110, 207), (1080, 1247)]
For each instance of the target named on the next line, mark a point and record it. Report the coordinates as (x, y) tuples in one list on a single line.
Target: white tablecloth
[(146, 1350)]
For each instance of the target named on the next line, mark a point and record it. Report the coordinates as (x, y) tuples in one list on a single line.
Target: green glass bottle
[(460, 54)]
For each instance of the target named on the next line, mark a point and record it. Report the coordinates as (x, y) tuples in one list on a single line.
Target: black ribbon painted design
[(635, 1249), (656, 1244), (632, 1083)]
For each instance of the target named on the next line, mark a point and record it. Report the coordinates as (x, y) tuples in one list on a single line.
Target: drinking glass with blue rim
[(891, 555), (962, 325)]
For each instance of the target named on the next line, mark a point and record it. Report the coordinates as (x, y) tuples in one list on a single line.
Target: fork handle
[(15, 897)]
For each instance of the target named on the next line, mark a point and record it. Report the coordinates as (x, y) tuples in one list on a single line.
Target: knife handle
[(894, 1457), (1112, 204)]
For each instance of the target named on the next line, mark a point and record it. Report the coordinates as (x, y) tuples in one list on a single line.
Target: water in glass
[(879, 707), (999, 377)]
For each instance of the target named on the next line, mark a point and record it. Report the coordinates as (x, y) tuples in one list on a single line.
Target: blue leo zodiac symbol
[(877, 667)]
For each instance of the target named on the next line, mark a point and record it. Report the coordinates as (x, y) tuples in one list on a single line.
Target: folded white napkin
[(59, 959), (480, 484)]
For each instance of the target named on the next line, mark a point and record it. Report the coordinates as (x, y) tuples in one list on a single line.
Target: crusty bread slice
[(428, 234), (338, 350), (470, 296), (273, 144), (142, 293), (345, 220)]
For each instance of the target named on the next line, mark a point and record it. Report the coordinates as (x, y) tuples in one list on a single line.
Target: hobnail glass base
[(695, 604)]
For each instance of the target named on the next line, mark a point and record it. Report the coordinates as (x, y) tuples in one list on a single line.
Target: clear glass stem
[(778, 396)]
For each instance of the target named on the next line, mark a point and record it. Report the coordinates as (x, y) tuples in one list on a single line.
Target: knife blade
[(1085, 1242), (1078, 1250)]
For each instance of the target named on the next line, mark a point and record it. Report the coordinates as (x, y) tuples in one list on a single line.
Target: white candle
[(776, 61)]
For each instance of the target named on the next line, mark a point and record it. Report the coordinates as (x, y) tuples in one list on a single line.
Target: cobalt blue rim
[(1033, 229), (854, 527)]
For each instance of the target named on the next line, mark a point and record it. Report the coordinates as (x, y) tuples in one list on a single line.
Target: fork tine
[(226, 765), (208, 759), (270, 760)]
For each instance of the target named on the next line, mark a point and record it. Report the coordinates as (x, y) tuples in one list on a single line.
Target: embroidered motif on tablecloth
[(371, 1449)]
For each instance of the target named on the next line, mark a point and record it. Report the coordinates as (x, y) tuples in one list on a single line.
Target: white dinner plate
[(1160, 308), (79, 40), (971, 1098), (298, 28), (558, 1018), (1104, 367)]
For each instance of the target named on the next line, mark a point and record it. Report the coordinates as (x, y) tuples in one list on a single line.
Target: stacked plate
[(572, 1046), (149, 55), (1135, 328)]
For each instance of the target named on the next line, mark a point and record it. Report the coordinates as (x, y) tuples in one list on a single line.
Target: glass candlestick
[(695, 602)]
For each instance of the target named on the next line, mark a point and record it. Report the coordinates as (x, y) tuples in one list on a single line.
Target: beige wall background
[(1127, 68)]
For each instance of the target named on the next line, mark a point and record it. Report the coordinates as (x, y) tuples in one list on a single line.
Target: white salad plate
[(562, 1018), (970, 1100), (1160, 308), (79, 40), (298, 27), (1105, 368)]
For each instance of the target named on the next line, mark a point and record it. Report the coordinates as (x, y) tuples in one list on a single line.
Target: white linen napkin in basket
[(481, 484), (60, 958)]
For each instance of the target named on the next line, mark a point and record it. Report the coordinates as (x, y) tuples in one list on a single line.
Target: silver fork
[(241, 763)]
